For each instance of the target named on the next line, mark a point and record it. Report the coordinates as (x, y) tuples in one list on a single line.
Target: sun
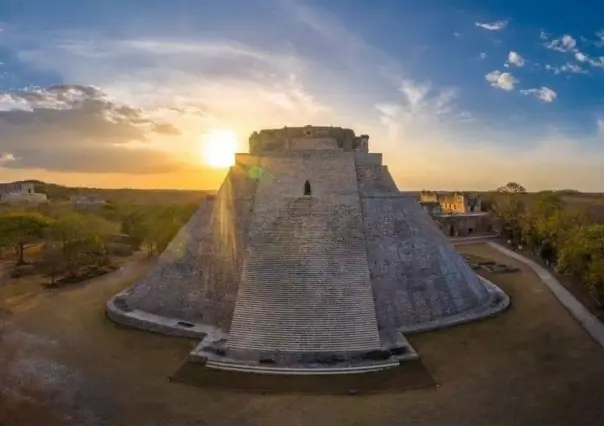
[(218, 148)]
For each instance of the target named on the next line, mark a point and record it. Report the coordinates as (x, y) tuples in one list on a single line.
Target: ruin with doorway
[(274, 281), (457, 214)]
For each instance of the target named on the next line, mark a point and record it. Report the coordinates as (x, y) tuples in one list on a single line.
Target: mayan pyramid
[(308, 259)]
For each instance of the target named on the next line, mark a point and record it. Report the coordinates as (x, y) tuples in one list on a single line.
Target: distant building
[(453, 203), (457, 214), (21, 192), (86, 201)]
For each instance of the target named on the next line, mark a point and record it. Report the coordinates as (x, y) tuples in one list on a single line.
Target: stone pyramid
[(276, 280)]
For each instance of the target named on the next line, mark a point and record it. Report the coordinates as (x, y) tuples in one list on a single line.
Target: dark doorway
[(451, 231), (307, 190), (470, 230)]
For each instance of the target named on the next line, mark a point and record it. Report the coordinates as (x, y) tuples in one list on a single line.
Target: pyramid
[(307, 261)]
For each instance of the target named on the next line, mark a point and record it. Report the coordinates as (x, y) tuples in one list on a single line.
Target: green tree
[(136, 224), (508, 210), (23, 230), (81, 239), (512, 188), (582, 255)]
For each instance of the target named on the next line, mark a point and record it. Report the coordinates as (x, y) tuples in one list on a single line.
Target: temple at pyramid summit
[(307, 261)]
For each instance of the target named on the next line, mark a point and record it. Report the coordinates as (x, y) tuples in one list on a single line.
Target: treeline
[(566, 240), (73, 243)]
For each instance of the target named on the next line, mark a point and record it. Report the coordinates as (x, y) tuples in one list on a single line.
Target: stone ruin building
[(457, 214), (307, 261)]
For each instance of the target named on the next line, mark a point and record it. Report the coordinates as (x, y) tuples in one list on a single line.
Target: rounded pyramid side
[(420, 282), (196, 278)]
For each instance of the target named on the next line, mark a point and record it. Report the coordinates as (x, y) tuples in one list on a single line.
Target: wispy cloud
[(544, 93), (504, 81), (565, 44), (483, 55), (566, 68), (492, 26)]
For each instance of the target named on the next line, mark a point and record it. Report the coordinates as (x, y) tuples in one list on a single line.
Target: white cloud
[(414, 92), (6, 158), (544, 93), (483, 55), (492, 26), (565, 44), (580, 56), (543, 35), (516, 59), (503, 81)]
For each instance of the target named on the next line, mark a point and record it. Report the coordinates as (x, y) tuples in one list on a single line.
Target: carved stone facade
[(453, 203)]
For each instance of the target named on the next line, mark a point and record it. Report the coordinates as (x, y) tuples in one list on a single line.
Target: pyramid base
[(401, 377)]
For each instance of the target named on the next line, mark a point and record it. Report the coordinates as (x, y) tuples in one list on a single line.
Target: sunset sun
[(218, 148)]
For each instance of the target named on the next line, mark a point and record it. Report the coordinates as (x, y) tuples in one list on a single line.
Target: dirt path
[(532, 365)]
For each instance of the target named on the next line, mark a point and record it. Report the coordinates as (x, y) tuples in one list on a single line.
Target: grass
[(533, 364)]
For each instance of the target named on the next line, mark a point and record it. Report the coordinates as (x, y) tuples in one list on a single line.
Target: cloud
[(515, 59), (414, 92), (483, 55), (565, 44), (6, 158), (503, 81), (492, 26), (78, 128), (544, 93), (567, 68), (195, 82), (581, 56)]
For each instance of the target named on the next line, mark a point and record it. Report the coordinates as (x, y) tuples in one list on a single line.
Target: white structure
[(21, 192)]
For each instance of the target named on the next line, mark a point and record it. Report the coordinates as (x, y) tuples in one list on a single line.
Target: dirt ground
[(533, 365)]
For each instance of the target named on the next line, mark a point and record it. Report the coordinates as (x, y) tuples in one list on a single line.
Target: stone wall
[(363, 158), (196, 278), (464, 225), (291, 137), (417, 276), (375, 180)]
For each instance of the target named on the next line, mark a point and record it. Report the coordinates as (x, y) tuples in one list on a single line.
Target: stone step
[(280, 306)]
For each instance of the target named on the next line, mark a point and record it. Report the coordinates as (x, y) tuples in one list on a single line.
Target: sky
[(458, 95)]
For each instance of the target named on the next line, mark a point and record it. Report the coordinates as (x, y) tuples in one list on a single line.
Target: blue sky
[(457, 94)]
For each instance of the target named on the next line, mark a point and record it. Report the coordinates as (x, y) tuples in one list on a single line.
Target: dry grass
[(23, 400), (532, 365)]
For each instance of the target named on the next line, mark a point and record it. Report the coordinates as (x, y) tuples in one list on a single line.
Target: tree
[(508, 210), (581, 254), (512, 188), (136, 225), (23, 230), (80, 238), (53, 260)]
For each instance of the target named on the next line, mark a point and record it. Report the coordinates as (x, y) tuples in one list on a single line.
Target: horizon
[(155, 95)]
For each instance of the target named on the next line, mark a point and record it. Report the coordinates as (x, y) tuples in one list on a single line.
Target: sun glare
[(219, 147)]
